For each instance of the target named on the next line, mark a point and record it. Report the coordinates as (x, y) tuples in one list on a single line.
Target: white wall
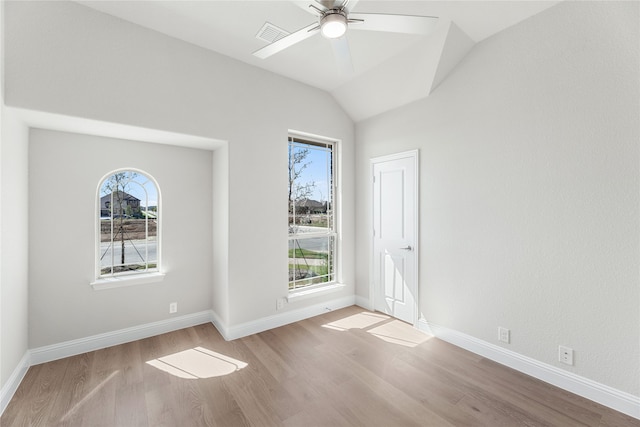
[(64, 172), (13, 245), (68, 59), (220, 264), (530, 190)]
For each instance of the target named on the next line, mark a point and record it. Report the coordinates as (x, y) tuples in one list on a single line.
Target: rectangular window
[(312, 225)]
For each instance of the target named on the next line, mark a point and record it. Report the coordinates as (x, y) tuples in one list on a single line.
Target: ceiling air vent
[(270, 33)]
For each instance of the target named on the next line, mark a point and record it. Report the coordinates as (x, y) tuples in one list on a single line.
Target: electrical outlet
[(173, 307), (565, 355), (280, 303), (504, 334)]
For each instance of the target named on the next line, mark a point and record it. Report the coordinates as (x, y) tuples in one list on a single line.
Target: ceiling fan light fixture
[(333, 24)]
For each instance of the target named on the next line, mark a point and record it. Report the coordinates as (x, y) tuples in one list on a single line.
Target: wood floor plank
[(40, 397), (262, 385), (256, 406), (348, 367), (46, 392), (539, 397), (64, 411), (486, 388), (276, 365), (611, 418), (130, 406), (222, 408), (317, 414), (486, 413), (98, 407), (161, 407), (520, 390)]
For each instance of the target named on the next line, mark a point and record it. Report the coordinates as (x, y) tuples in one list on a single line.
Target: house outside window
[(126, 205), (128, 224), (312, 212)]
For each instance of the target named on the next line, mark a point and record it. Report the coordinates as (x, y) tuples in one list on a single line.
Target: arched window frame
[(111, 279)]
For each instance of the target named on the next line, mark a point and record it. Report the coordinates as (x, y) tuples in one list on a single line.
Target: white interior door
[(395, 236)]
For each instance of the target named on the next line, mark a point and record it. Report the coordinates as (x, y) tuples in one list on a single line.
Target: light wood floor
[(348, 367)]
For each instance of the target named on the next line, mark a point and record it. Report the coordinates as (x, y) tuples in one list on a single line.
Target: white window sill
[(130, 280), (303, 294)]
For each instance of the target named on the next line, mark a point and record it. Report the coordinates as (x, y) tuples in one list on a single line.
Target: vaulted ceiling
[(389, 69)]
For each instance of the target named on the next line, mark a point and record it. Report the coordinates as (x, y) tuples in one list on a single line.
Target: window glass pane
[(310, 187), (311, 261)]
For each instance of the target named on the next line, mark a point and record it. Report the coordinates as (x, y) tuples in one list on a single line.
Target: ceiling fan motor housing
[(333, 23)]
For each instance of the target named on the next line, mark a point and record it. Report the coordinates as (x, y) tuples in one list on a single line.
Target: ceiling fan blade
[(350, 4), (287, 41), (407, 24), (342, 53), (329, 4), (306, 5)]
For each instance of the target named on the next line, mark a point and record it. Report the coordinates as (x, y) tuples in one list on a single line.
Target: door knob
[(408, 248)]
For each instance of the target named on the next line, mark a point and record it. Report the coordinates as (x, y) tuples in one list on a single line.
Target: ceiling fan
[(334, 18)]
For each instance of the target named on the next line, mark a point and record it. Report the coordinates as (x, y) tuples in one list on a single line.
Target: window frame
[(334, 232), (128, 278)]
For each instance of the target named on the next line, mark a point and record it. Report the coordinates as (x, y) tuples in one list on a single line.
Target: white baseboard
[(219, 325), (280, 319), (96, 342), (9, 388), (600, 393)]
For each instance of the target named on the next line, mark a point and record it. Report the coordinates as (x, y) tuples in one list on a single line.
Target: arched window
[(128, 224)]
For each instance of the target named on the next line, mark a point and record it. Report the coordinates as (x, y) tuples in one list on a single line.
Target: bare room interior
[(462, 226)]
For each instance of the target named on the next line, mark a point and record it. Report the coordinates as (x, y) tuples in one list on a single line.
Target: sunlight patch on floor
[(197, 363), (397, 332), (362, 320), (382, 327)]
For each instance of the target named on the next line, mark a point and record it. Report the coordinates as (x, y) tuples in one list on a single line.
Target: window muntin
[(128, 224), (312, 228)]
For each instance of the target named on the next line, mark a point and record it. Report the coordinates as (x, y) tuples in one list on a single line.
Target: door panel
[(395, 235), (394, 274), (391, 217)]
